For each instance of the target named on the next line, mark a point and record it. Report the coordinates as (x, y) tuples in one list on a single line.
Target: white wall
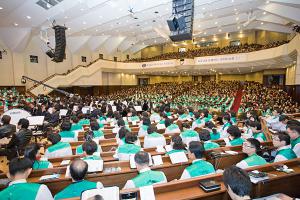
[(118, 79)]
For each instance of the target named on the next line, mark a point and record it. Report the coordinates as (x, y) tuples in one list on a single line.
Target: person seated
[(66, 134), (234, 136), (90, 148), (226, 125), (124, 151), (171, 128), (211, 127), (197, 123), (78, 170), (75, 125), (237, 183), (133, 117), (155, 117), (282, 124), (168, 112), (256, 131), (88, 136), (7, 129), (19, 170), (146, 176), (199, 166), (153, 139), (274, 120), (145, 125), (120, 124), (19, 140), (58, 148), (247, 130), (233, 118), (188, 135), (32, 152), (281, 141), (98, 134), (251, 147), (294, 133), (182, 116), (176, 145), (205, 137), (83, 120)]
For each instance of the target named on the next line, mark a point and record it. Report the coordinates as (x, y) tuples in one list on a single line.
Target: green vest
[(189, 133), (294, 142), (58, 146), (148, 178), (210, 145), (93, 157), (162, 122), (79, 149), (199, 168), (226, 125), (255, 160), (198, 121), (129, 149), (215, 136), (67, 134), (76, 127), (75, 189), (84, 122), (19, 191), (260, 135), (287, 153), (237, 141), (40, 165), (98, 134), (144, 127), (135, 118), (176, 151), (183, 116), (168, 114), (154, 135), (172, 127)]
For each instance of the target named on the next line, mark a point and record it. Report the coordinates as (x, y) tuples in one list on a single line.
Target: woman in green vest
[(281, 141), (32, 152), (97, 133), (66, 134), (145, 125), (205, 137), (171, 128), (256, 131), (251, 147), (188, 135), (211, 127), (75, 126), (88, 136), (124, 151), (154, 139), (177, 145), (234, 136)]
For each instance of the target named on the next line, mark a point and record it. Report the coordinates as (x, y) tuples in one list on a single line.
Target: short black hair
[(196, 148), (122, 132), (24, 123), (94, 126), (283, 118), (168, 122), (186, 125), (295, 128), (141, 158), (210, 125), (6, 119), (238, 180), (130, 138), (54, 138), (151, 129), (19, 165), (204, 135), (226, 117), (31, 150), (75, 119), (78, 169), (120, 122), (234, 131), (283, 136), (89, 147), (178, 143), (66, 126), (146, 121), (256, 144)]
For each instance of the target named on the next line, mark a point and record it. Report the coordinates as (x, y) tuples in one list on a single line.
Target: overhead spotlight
[(23, 80)]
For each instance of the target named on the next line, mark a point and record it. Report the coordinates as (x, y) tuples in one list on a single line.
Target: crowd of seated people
[(193, 127), (210, 51)]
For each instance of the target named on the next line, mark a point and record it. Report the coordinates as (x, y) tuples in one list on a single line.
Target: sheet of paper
[(132, 162), (157, 160), (138, 108), (36, 120), (95, 165), (63, 112), (114, 108), (49, 177), (160, 126), (133, 122), (147, 193), (108, 193), (65, 162), (160, 149), (168, 148), (178, 157), (231, 152)]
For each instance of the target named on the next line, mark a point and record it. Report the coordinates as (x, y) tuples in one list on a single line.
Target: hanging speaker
[(60, 43)]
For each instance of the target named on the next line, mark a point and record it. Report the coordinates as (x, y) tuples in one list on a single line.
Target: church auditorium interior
[(149, 99)]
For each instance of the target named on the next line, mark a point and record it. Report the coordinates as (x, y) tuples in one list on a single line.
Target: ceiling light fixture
[(1, 8), (264, 12), (28, 17), (16, 24)]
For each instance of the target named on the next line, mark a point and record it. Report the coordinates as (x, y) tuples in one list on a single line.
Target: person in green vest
[(281, 141), (133, 117), (66, 134), (177, 145), (226, 125), (234, 136), (237, 183), (251, 147), (146, 176), (32, 152), (256, 131), (211, 127), (182, 115), (19, 170), (75, 125), (144, 127), (294, 132), (168, 111), (58, 148), (154, 139), (205, 137), (78, 170), (88, 136), (199, 166), (233, 118), (171, 128), (124, 151), (97, 133), (155, 116), (188, 135)]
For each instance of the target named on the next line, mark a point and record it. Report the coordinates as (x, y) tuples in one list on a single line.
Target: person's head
[(168, 122), (204, 135), (293, 131), (210, 125), (130, 138), (152, 129), (32, 152), (141, 159), (234, 131), (78, 169), (293, 122), (122, 132), (23, 123), (186, 126), (251, 146), (5, 119), (196, 150), (89, 147), (74, 119), (281, 139), (54, 138), (276, 111), (19, 168), (196, 115), (283, 119), (237, 182), (146, 121), (65, 126), (94, 126), (226, 119), (120, 122), (254, 125), (177, 143)]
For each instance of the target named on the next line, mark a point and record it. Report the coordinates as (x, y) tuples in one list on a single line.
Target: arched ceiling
[(107, 25)]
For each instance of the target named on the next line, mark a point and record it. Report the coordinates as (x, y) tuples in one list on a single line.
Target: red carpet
[(238, 99)]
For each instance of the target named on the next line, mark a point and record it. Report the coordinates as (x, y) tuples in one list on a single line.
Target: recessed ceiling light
[(83, 22), (96, 30), (261, 23), (238, 27), (28, 17), (237, 19), (220, 30), (264, 12), (16, 24), (216, 22), (66, 17), (267, 1), (210, 15), (81, 9), (204, 33), (1, 8)]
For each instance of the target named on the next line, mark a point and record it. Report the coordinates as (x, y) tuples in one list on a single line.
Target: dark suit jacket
[(7, 130)]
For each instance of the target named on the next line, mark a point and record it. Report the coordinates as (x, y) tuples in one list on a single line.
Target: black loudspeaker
[(50, 53), (60, 43), (173, 24), (181, 23)]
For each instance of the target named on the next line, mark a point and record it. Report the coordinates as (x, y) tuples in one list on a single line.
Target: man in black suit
[(7, 129)]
